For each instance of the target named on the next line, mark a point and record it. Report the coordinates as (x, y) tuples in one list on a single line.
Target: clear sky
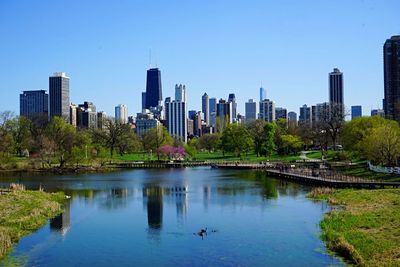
[(215, 46)]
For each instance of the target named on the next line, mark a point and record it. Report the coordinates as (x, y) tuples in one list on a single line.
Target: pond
[(152, 217)]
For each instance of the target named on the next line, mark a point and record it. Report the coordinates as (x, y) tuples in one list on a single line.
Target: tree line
[(57, 142)]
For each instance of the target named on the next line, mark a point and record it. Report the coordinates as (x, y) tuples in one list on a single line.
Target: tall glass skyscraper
[(356, 111), (232, 99), (251, 110), (59, 95), (263, 94), (153, 88), (336, 87), (391, 61), (33, 103)]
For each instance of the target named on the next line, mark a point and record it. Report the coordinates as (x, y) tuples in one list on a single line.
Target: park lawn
[(365, 229), (252, 157), (23, 212), (361, 170)]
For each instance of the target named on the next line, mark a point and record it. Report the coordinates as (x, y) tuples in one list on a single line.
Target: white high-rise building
[(121, 113), (176, 119), (180, 93), (267, 110), (205, 108)]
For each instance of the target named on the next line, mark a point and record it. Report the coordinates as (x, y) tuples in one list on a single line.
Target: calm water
[(149, 217)]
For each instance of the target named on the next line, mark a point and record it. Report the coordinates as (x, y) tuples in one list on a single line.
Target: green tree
[(128, 141), (268, 144), (6, 137), (20, 127), (291, 144), (382, 145), (191, 147), (357, 129), (63, 136), (111, 136), (332, 121), (209, 142), (155, 138), (236, 139), (256, 129)]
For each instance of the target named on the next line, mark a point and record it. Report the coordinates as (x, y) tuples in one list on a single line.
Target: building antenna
[(261, 84), (150, 58)]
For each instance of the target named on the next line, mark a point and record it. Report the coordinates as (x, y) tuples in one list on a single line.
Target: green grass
[(366, 229), (361, 170), (23, 212)]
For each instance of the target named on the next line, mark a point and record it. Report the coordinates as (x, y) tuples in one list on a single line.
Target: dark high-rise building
[(391, 72), (86, 115), (33, 103), (292, 119), (251, 110), (356, 111), (143, 100), (59, 95), (153, 88), (336, 87), (281, 113), (305, 115), (224, 114)]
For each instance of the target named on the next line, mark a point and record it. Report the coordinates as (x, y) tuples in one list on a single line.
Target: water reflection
[(116, 198), (179, 196), (62, 222), (153, 199), (147, 218)]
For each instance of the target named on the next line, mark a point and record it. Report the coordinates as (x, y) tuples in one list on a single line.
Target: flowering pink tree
[(173, 153)]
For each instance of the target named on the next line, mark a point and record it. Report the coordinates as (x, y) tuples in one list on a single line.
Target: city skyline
[(238, 68)]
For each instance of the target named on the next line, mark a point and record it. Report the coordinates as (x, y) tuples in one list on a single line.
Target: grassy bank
[(365, 227), (22, 212)]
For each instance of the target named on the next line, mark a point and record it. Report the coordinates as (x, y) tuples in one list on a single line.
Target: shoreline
[(23, 212), (361, 226)]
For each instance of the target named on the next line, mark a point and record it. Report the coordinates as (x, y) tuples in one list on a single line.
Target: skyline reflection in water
[(151, 217)]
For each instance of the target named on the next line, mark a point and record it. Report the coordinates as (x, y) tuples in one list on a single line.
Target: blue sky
[(218, 47)]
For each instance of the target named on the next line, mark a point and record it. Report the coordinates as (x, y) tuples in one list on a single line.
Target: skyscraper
[(391, 72), (336, 87), (33, 103), (86, 115), (213, 112), (121, 113), (305, 115), (180, 93), (281, 113), (153, 88), (224, 114), (267, 110), (292, 119), (59, 95), (251, 110), (232, 99), (263, 94), (356, 111), (143, 100), (176, 120), (205, 108)]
